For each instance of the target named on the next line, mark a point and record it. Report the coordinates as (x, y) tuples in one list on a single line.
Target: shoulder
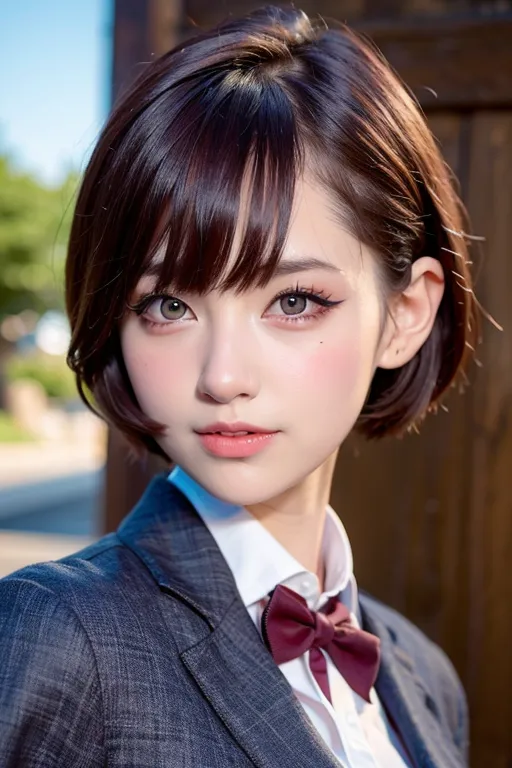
[(428, 663), (48, 674), (429, 660), (102, 565), (87, 586), (406, 634), (51, 583), (54, 618)]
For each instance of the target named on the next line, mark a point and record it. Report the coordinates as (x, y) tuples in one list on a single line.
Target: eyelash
[(317, 297)]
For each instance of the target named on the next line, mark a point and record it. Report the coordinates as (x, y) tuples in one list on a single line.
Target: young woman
[(266, 252)]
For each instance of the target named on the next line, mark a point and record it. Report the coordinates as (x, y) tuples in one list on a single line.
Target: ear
[(412, 314)]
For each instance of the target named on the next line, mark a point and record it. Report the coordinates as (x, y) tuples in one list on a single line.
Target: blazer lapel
[(217, 640), (404, 697), (253, 698)]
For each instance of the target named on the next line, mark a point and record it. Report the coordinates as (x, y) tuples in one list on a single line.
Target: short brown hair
[(265, 94)]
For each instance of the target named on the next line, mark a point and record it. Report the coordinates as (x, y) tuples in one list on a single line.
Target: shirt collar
[(259, 562)]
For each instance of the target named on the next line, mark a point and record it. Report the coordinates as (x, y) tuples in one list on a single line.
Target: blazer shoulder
[(90, 586), (88, 571), (48, 673), (54, 617), (401, 629), (409, 637), (429, 663)]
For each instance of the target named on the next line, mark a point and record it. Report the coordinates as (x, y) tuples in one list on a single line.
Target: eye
[(301, 304), (160, 310), (293, 303), (169, 308)]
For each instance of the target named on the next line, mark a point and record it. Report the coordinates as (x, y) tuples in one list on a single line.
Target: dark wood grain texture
[(131, 44), (429, 516), (446, 60), (489, 678)]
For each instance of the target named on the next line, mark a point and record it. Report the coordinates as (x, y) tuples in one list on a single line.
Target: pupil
[(171, 308), (293, 305)]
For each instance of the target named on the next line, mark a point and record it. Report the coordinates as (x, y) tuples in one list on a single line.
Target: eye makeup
[(297, 297)]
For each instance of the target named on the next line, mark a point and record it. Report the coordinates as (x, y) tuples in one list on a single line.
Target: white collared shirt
[(357, 732)]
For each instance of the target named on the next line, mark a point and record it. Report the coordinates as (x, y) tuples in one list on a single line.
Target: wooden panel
[(429, 516), (403, 509), (404, 505), (395, 11), (447, 61), (466, 62), (125, 480), (165, 24), (131, 41), (142, 28), (489, 678)]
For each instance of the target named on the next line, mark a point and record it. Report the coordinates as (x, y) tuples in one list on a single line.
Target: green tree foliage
[(34, 228), (50, 371)]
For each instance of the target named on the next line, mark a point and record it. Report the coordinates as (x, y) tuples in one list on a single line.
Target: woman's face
[(294, 359)]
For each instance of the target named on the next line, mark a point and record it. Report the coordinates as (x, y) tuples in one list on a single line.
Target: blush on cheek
[(150, 378), (326, 394), (329, 366), (342, 367), (333, 385)]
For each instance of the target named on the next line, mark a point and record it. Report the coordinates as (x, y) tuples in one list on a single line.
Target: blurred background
[(55, 59), (429, 516)]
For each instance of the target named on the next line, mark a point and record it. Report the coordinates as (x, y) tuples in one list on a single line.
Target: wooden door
[(429, 516)]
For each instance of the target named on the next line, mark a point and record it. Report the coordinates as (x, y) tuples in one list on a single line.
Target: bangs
[(193, 178), (217, 198)]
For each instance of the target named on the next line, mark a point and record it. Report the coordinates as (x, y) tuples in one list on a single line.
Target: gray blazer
[(138, 652)]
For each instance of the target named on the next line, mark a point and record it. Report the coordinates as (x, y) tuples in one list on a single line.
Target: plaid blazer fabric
[(138, 652)]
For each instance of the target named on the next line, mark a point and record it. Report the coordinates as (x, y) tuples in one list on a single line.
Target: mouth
[(235, 441), (237, 429), (229, 434)]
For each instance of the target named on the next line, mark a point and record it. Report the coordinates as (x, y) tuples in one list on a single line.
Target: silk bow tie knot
[(291, 629), (324, 631)]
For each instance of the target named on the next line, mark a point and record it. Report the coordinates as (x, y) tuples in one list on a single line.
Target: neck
[(296, 518)]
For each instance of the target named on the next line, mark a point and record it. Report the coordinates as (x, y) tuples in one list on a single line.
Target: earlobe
[(412, 314)]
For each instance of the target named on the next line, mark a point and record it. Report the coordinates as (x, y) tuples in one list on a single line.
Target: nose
[(229, 367)]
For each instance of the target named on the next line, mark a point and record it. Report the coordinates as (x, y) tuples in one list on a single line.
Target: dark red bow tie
[(290, 629)]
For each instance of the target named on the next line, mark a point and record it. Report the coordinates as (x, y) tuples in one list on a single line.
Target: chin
[(239, 483), (235, 488), (240, 497)]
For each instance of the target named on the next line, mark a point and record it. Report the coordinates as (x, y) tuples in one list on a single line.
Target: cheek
[(334, 387), (334, 371), (152, 374)]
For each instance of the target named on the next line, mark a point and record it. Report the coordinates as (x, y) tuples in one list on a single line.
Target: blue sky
[(55, 59)]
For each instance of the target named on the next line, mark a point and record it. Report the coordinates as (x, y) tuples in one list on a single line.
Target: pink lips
[(234, 441)]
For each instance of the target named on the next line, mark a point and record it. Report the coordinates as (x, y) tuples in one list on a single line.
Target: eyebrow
[(287, 267), (290, 266)]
